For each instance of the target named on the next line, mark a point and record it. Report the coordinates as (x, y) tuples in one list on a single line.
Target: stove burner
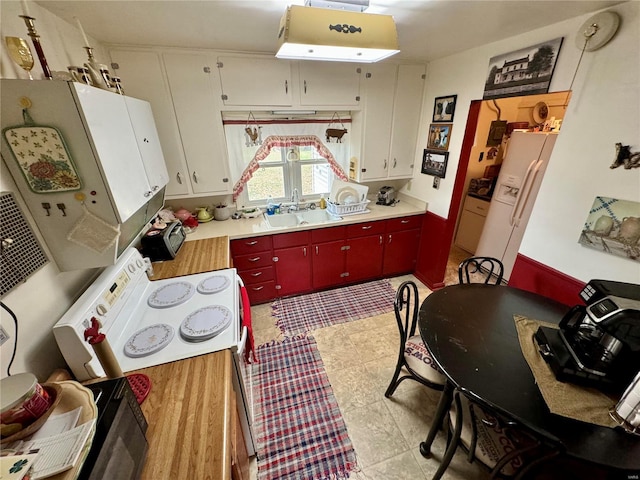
[(205, 323), (213, 284), (171, 295), (149, 340)]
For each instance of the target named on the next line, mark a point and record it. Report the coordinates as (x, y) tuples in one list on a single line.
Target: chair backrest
[(406, 306), (485, 270)]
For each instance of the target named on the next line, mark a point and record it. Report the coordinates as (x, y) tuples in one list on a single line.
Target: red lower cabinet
[(364, 258), (328, 264), (293, 270), (400, 252)]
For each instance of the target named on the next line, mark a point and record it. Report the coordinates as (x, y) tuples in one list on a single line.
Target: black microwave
[(119, 447), (163, 244)]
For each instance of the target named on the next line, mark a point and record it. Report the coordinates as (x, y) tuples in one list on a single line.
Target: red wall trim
[(537, 277)]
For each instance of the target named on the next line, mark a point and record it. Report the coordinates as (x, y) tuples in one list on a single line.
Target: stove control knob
[(101, 309), (131, 268), (139, 263)]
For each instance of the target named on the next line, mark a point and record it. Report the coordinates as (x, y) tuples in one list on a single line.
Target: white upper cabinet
[(329, 83), (195, 95), (144, 128), (392, 103), (143, 77), (255, 81)]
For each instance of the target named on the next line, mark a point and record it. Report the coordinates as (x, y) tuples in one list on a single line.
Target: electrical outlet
[(4, 336)]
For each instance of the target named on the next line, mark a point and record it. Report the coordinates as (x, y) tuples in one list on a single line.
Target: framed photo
[(526, 71), (439, 135), (444, 108), (434, 162)]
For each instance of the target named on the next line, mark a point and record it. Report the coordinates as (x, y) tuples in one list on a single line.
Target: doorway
[(497, 119)]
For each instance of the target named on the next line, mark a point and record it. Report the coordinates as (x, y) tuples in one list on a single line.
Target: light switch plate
[(4, 336), (436, 182)]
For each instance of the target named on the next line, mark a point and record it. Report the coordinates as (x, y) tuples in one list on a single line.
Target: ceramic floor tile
[(413, 409), (374, 434), (354, 387), (458, 469), (400, 467), (376, 343)]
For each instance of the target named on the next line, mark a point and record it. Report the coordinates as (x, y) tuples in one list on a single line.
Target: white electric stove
[(151, 323)]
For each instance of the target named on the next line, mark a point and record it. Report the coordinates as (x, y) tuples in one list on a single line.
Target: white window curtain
[(242, 148)]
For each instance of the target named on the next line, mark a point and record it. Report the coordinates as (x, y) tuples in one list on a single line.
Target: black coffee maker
[(597, 344)]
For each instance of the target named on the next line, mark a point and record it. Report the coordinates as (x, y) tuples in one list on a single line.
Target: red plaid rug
[(299, 428), (305, 313)]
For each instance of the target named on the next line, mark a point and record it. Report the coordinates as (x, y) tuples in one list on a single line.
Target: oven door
[(242, 376)]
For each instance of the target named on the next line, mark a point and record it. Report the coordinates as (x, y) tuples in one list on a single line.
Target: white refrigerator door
[(517, 174), (525, 206)]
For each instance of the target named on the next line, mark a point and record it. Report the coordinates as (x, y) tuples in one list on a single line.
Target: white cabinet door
[(195, 97), (144, 128), (378, 87), (255, 81), (406, 118), (329, 83), (143, 77), (107, 119)]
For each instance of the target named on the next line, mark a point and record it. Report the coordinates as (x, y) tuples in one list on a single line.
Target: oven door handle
[(245, 306), (243, 341)]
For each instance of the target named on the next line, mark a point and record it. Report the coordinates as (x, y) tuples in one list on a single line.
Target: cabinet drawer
[(258, 275), (286, 240), (364, 229), (261, 292), (328, 234), (248, 245), (252, 261), (475, 205), (404, 223)]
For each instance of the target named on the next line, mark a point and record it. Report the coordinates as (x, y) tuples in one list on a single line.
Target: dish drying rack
[(347, 208)]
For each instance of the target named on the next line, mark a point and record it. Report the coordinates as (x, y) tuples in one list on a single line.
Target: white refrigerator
[(515, 193)]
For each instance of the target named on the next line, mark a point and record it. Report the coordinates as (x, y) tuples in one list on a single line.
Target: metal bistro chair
[(413, 355), (485, 270), (504, 446)]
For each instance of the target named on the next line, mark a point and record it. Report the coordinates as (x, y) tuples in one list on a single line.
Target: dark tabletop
[(471, 334)]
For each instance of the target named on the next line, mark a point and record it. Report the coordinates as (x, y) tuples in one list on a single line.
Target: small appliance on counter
[(386, 196), (163, 244), (598, 344), (481, 187)]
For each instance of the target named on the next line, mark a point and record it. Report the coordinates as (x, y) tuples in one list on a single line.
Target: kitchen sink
[(304, 217)]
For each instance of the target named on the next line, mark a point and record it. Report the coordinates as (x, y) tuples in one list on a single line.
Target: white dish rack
[(348, 208)]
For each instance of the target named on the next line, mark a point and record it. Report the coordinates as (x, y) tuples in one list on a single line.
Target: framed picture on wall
[(434, 162), (439, 135), (444, 108)]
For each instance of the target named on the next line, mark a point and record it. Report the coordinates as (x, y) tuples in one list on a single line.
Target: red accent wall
[(537, 277)]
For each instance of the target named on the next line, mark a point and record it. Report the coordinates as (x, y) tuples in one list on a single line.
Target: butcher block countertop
[(189, 407), (189, 411), (197, 256)]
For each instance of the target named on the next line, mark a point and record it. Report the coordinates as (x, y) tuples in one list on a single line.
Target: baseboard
[(537, 277)]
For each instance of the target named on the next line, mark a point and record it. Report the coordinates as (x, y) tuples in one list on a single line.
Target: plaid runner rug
[(299, 428), (305, 313)]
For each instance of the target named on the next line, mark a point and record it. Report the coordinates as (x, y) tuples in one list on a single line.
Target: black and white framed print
[(434, 162), (444, 108)]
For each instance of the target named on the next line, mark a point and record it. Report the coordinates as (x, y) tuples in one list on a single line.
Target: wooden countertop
[(196, 256), (189, 411)]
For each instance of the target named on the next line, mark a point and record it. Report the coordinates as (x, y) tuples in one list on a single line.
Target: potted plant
[(221, 212)]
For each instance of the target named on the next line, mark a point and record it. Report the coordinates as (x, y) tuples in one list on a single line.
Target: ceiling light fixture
[(330, 34)]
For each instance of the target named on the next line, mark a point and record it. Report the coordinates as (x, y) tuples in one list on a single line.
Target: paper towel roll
[(107, 359)]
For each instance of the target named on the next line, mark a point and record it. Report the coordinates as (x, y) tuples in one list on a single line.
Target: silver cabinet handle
[(251, 244), (286, 86), (155, 188), (148, 193), (304, 251), (257, 289), (255, 259), (195, 177), (179, 178), (316, 249), (256, 274), (305, 86), (389, 242), (395, 162), (385, 163), (404, 221), (367, 227)]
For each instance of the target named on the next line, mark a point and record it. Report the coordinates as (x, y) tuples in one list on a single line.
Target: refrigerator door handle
[(527, 192), (518, 202)]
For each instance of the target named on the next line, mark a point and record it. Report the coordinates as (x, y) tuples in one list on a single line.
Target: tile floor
[(360, 359)]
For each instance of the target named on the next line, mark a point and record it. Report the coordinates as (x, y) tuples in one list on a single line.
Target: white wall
[(42, 299), (604, 109)]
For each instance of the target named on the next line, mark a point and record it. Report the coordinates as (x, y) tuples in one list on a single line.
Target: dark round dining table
[(470, 331)]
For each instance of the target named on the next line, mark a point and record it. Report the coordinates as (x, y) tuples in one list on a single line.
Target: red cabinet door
[(400, 252), (328, 264), (293, 270), (364, 258)]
